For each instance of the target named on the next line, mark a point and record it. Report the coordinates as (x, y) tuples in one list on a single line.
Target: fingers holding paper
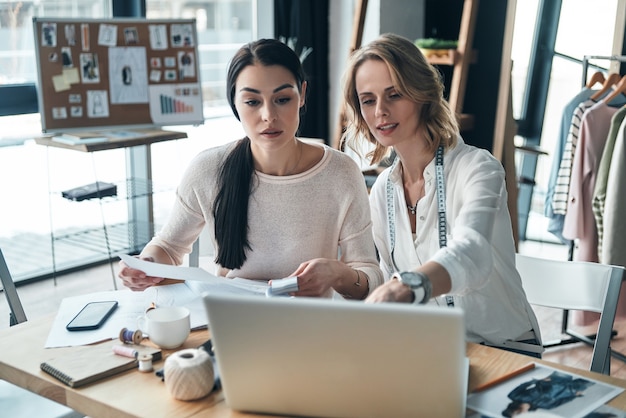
[(135, 279)]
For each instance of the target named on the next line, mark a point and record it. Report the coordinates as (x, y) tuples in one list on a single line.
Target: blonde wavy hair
[(413, 77)]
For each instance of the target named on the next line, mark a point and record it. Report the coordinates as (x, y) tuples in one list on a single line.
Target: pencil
[(505, 377)]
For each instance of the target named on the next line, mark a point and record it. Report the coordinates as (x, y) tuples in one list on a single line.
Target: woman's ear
[(303, 93)]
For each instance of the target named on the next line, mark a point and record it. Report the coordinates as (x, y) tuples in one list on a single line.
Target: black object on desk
[(97, 190)]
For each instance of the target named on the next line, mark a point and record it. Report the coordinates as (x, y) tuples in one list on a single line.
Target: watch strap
[(421, 292)]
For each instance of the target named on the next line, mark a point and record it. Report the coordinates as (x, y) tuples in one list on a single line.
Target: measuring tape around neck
[(441, 209)]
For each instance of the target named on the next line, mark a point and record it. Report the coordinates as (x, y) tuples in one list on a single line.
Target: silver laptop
[(330, 358)]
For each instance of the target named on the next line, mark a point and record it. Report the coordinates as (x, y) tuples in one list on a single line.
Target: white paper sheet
[(168, 271), (134, 304)]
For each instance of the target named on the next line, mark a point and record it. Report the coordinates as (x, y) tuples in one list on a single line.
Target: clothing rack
[(586, 58), (585, 65), (574, 336)]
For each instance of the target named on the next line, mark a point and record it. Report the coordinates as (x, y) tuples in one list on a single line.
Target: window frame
[(19, 99), (531, 119)]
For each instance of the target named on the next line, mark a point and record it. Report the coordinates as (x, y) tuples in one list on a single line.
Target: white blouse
[(480, 251)]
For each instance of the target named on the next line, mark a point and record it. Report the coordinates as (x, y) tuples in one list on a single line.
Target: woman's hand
[(317, 276), (391, 291), (137, 280)]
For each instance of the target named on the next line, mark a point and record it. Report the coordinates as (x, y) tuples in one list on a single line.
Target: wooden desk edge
[(145, 137)]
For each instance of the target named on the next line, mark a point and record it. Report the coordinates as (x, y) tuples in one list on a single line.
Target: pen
[(505, 377)]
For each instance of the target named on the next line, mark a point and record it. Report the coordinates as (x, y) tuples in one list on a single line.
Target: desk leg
[(140, 206)]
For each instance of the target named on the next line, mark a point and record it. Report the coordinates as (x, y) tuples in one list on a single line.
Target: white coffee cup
[(168, 326)]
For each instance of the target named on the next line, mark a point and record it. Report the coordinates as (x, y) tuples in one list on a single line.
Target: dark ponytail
[(236, 175), (230, 209)]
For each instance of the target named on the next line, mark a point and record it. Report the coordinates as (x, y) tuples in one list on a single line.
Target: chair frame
[(610, 276), (17, 315)]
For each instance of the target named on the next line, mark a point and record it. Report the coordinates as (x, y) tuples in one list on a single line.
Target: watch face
[(411, 279)]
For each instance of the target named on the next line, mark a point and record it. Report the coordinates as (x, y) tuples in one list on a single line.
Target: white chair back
[(576, 285)]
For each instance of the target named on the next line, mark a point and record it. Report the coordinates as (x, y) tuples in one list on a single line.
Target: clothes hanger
[(597, 77), (620, 88), (612, 79)]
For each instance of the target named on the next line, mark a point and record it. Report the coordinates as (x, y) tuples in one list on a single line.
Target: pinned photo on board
[(70, 34), (76, 111), (49, 34), (97, 104), (169, 75), (84, 36), (66, 57), (90, 72), (181, 35), (158, 37), (59, 113), (107, 35), (131, 37), (169, 62), (186, 64)]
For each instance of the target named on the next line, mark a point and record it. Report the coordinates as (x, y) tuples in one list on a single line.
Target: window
[(582, 28), (17, 58), (222, 25)]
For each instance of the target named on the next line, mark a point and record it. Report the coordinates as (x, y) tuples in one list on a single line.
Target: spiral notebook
[(81, 365)]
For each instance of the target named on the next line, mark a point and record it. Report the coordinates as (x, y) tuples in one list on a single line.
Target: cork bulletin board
[(111, 73)]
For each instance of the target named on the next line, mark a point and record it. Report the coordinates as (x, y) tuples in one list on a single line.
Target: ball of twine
[(189, 374)]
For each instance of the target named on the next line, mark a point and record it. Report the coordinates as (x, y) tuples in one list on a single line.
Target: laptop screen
[(320, 357)]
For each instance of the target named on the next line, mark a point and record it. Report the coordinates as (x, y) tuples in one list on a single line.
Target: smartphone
[(92, 316)]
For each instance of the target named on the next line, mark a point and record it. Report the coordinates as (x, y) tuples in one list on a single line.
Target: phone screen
[(92, 316)]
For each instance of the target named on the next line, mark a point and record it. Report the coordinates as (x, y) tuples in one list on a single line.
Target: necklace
[(413, 208), (293, 170)]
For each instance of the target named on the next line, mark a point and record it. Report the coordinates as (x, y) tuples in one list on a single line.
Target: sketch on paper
[(97, 104), (70, 34), (158, 37), (107, 35), (128, 75)]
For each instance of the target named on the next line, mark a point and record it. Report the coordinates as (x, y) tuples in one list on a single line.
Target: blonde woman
[(440, 216)]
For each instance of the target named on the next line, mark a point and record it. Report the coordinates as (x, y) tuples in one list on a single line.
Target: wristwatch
[(419, 284)]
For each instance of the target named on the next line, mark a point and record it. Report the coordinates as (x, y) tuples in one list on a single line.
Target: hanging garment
[(614, 237), (602, 176), (555, 223), (561, 187), (579, 222), (563, 178)]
